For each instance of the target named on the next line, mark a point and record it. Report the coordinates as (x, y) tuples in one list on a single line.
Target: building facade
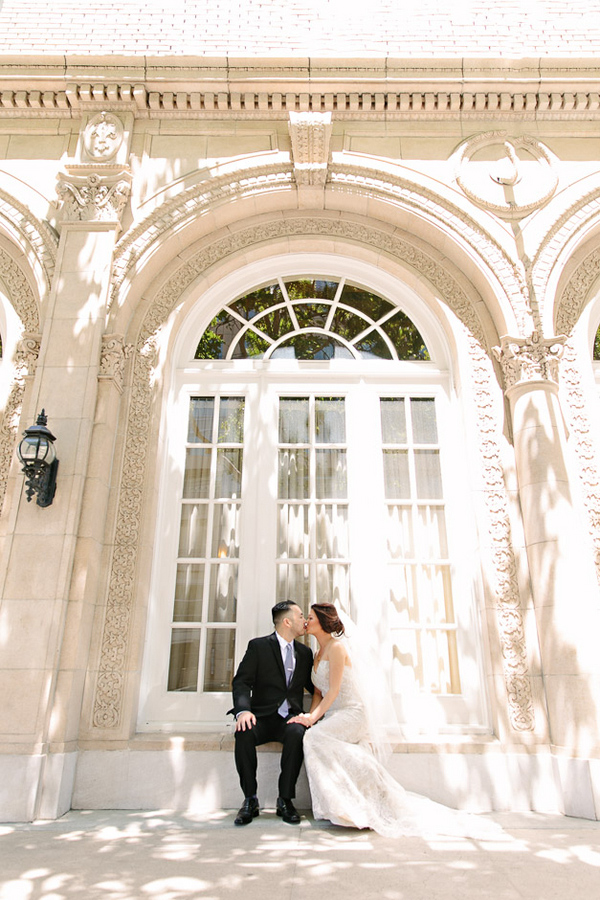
[(303, 328)]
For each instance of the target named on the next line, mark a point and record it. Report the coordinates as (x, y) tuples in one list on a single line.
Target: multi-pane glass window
[(421, 613), (312, 319), (206, 587), (342, 469), (312, 501)]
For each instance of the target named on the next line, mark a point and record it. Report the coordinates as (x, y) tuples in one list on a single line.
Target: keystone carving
[(311, 135)]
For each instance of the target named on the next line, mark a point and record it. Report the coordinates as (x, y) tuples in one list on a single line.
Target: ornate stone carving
[(19, 291), (576, 293), (343, 176), (509, 614), (41, 237), (112, 359), (583, 441), (26, 358), (93, 197), (109, 686), (444, 101), (311, 134), (22, 298), (103, 136), (509, 176), (110, 683), (529, 359)]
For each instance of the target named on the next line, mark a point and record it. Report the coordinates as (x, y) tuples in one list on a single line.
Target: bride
[(348, 784)]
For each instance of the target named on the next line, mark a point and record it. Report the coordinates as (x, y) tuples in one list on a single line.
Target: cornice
[(220, 88)]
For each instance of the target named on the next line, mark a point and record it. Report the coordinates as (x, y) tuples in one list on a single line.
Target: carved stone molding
[(311, 134), (26, 358), (576, 293), (464, 228), (578, 421), (19, 292), (113, 357), (93, 196), (188, 205), (108, 699), (529, 359), (344, 177), (509, 615), (40, 236), (509, 176), (436, 102), (22, 299)]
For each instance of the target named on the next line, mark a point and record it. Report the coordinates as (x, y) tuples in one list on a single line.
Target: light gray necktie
[(289, 671), (289, 663)]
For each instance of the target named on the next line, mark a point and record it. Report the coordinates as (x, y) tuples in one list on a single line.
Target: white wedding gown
[(350, 787)]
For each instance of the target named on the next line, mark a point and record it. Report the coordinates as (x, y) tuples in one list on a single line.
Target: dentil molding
[(441, 101)]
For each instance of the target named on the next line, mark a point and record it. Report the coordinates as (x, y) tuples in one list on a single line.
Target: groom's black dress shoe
[(287, 811), (248, 811)]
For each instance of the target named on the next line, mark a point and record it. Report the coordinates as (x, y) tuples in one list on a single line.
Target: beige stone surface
[(158, 854)]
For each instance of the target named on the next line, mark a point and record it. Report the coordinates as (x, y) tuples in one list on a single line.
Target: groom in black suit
[(268, 689)]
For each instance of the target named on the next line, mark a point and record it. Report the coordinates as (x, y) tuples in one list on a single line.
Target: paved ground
[(149, 855)]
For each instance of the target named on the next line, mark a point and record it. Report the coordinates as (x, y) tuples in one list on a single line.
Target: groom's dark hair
[(280, 610)]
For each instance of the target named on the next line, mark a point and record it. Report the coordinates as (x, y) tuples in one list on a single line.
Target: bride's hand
[(303, 719)]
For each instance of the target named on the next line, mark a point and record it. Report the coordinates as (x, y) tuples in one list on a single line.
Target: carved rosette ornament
[(310, 133), (529, 359), (114, 354), (509, 176), (89, 196)]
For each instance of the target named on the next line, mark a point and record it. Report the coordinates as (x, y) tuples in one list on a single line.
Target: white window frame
[(188, 711)]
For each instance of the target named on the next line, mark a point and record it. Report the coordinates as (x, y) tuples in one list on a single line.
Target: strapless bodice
[(348, 695)]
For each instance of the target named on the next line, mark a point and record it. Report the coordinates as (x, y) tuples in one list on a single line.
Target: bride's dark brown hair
[(329, 619)]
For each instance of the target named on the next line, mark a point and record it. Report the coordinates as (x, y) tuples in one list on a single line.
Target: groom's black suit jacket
[(259, 683)]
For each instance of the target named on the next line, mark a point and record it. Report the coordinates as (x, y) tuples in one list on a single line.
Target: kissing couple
[(341, 738)]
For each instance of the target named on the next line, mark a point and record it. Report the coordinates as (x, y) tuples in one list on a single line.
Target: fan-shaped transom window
[(312, 319)]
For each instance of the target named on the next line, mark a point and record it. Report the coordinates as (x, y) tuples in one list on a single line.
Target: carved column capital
[(97, 194), (27, 353), (112, 359), (310, 133), (529, 359)]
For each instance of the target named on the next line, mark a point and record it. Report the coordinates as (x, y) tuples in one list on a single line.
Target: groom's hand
[(245, 720)]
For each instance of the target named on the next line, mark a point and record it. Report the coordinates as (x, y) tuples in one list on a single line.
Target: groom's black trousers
[(270, 728)]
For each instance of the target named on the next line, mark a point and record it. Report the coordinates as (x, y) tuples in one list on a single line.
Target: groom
[(268, 689)]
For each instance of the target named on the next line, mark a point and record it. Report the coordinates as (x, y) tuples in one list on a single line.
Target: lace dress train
[(350, 787)]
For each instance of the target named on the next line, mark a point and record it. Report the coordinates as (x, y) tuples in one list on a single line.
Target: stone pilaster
[(564, 587), (60, 595)]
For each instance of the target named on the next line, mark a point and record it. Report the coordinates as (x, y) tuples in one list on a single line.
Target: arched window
[(597, 346), (326, 482), (311, 319)]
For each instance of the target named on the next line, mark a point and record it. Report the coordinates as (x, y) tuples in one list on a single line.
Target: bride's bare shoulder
[(337, 651)]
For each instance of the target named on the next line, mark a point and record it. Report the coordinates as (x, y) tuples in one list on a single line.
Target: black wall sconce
[(37, 455)]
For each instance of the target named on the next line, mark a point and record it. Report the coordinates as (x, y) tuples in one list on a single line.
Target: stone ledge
[(224, 741)]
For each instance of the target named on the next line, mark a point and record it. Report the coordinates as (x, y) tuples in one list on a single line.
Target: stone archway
[(110, 685)]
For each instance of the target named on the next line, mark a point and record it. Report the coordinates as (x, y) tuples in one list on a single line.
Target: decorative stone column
[(563, 583), (57, 547)]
